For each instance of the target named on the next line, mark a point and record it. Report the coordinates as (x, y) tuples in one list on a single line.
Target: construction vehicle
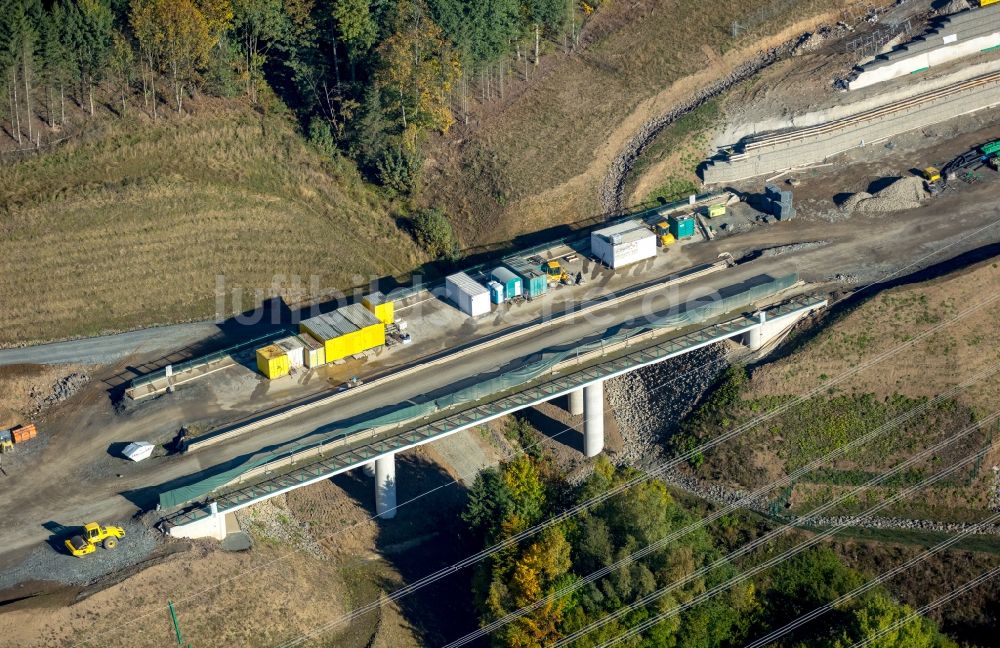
[(663, 236), (931, 174), (94, 534), (554, 272), (6, 441), (972, 160)]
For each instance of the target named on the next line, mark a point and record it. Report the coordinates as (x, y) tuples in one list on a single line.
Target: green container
[(533, 280), (681, 226), (511, 282), (991, 148)]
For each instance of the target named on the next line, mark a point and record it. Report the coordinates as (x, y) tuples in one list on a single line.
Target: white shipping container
[(623, 244), (294, 349), (471, 297)]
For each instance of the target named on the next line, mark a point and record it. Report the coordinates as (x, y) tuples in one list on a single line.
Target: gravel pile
[(852, 203), (649, 403), (51, 562), (794, 247), (60, 391), (952, 6), (904, 193)]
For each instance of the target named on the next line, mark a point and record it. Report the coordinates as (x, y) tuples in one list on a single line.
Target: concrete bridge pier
[(755, 337), (575, 399), (593, 419), (385, 486), (369, 468)]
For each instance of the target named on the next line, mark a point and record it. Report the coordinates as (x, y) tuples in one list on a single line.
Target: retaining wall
[(963, 34), (814, 145)]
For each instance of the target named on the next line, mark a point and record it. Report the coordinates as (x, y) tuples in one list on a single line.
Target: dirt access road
[(868, 249), (107, 349)]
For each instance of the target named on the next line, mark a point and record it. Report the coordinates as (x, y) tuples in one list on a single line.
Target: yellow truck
[(94, 534)]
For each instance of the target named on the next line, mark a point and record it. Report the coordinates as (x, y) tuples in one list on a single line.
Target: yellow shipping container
[(381, 306), (272, 361), (346, 331), (349, 344)]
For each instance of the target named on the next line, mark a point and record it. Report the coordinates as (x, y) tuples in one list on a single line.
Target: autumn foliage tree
[(176, 34), (551, 564), (417, 70)]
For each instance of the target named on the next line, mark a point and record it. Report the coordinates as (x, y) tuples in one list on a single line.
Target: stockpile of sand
[(904, 193)]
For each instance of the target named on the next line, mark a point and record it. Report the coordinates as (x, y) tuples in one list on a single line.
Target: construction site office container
[(471, 297), (623, 244), (313, 352), (714, 211), (496, 292), (681, 226), (381, 306), (511, 282), (294, 350), (272, 361), (533, 281), (22, 433), (346, 331)]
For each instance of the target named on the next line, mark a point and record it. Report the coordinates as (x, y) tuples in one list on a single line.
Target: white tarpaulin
[(138, 451)]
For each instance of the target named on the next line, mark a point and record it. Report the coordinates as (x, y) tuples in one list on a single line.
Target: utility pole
[(177, 625)]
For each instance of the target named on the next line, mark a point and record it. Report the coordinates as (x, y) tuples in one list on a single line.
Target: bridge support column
[(575, 399), (385, 486), (593, 419), (369, 468), (755, 337)]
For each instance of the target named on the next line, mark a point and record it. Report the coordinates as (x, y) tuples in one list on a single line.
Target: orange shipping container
[(24, 433)]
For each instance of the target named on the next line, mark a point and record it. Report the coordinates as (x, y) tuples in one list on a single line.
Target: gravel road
[(107, 349)]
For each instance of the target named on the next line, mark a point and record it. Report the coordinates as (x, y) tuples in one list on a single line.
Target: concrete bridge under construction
[(577, 372)]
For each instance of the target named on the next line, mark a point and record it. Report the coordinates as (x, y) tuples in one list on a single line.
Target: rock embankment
[(649, 403)]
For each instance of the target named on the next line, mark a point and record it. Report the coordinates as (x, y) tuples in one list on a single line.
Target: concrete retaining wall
[(789, 152), (963, 34)]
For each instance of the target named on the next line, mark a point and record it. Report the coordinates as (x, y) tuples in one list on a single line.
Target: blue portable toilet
[(496, 292)]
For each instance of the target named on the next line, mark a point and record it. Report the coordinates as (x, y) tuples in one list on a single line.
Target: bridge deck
[(538, 391)]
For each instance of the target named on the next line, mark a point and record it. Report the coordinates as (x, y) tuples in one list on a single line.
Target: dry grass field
[(132, 227), (537, 158), (876, 395)]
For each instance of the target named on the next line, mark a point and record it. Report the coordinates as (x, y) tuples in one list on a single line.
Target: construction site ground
[(317, 553), (236, 392), (800, 90), (333, 555)]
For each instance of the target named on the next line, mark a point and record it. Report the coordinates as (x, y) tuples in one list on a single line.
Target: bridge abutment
[(385, 486), (593, 419)]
